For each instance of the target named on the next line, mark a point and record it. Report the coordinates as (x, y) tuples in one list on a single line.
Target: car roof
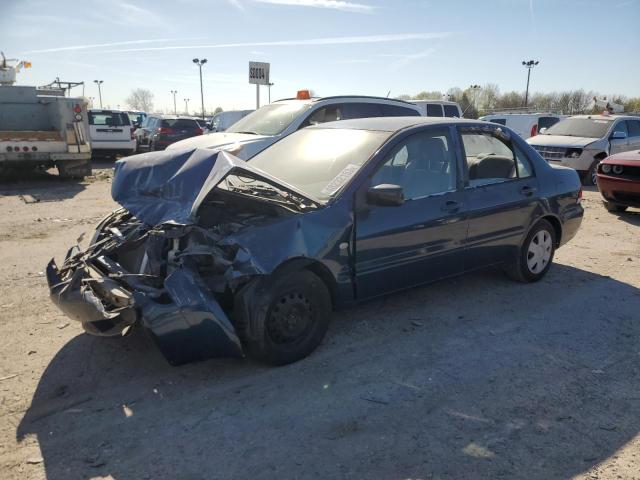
[(606, 117), (347, 97), (392, 124)]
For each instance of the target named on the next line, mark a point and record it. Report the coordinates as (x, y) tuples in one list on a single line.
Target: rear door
[(422, 239), (633, 126), (434, 110), (501, 191), (109, 126)]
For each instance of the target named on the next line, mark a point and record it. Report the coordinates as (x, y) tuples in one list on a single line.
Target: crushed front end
[(133, 272)]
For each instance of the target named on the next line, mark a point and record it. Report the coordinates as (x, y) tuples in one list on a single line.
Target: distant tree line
[(477, 101)]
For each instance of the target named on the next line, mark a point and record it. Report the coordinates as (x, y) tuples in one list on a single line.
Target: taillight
[(199, 131), (534, 130), (132, 136), (25, 149), (77, 108), (580, 195), (165, 130)]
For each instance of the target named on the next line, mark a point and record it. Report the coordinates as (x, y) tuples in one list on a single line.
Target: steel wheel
[(290, 319), (539, 251)]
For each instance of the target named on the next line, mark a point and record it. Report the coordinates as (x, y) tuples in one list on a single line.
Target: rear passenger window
[(183, 123), (361, 110), (423, 164), (434, 110), (398, 111), (451, 111), (111, 119), (491, 158)]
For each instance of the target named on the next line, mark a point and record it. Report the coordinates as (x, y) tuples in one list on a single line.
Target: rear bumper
[(113, 145), (186, 322), (25, 158), (622, 191)]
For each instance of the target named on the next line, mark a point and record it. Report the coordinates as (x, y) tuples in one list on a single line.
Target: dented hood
[(169, 186)]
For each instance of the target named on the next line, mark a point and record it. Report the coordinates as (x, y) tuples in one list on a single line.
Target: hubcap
[(539, 251), (594, 177), (290, 319)]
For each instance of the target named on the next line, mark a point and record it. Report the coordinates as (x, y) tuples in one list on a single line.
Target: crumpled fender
[(192, 326)]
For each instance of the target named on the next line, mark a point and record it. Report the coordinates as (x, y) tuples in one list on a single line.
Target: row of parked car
[(578, 142)]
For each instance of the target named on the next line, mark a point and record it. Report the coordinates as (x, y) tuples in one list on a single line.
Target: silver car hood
[(560, 141), (215, 140)]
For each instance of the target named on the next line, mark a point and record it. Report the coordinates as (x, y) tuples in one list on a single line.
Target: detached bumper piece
[(184, 320)]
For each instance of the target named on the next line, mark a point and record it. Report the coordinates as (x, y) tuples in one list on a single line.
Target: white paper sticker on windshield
[(339, 180), (601, 121)]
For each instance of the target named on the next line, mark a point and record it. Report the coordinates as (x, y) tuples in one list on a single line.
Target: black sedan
[(215, 256)]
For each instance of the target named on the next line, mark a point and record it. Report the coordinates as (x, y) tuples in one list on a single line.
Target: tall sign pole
[(258, 75)]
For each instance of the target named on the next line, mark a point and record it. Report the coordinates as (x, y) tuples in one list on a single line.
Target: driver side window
[(422, 164)]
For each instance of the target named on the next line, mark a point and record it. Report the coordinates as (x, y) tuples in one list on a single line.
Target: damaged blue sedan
[(215, 256)]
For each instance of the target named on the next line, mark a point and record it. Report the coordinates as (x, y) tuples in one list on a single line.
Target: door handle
[(451, 206), (528, 190)]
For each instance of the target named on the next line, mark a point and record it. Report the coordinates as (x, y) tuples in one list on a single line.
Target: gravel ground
[(474, 377)]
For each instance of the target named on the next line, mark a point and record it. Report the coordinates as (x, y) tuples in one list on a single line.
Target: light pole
[(99, 82), (200, 63), (175, 109), (186, 105), (529, 64), (269, 85)]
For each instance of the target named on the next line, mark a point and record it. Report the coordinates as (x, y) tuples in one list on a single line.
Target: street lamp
[(269, 85), (475, 89), (186, 105), (529, 64), (200, 63), (175, 109), (99, 82)]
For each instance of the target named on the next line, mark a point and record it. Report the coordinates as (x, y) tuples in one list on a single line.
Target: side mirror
[(386, 195), (617, 135), (542, 130)]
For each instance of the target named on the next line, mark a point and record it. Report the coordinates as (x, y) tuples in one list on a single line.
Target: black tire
[(520, 270), (283, 319), (614, 207), (590, 177)]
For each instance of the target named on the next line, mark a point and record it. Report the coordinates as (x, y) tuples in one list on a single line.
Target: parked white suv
[(524, 124), (111, 133), (582, 141), (270, 123)]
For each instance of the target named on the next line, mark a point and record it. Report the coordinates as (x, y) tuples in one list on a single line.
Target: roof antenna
[(388, 93)]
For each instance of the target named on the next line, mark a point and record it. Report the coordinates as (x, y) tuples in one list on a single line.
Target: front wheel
[(614, 207), (591, 176), (284, 318), (536, 254)]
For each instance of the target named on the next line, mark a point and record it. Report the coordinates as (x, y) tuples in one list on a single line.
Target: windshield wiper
[(270, 193), (248, 132)]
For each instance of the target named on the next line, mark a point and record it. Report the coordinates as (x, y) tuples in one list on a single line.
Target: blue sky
[(331, 46)]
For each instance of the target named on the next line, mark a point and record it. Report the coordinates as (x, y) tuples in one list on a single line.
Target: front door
[(619, 144), (501, 192), (422, 239)]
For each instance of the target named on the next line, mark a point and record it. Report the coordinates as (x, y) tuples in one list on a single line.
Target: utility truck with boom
[(40, 127)]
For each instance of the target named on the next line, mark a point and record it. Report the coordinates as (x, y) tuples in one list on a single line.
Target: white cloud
[(332, 4), (406, 59), (364, 39), (112, 44)]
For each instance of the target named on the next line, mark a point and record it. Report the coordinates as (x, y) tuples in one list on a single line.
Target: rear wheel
[(536, 254), (614, 207), (285, 318)]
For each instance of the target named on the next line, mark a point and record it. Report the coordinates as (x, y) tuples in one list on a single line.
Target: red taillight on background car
[(580, 195), (25, 149), (534, 130), (77, 108), (199, 131), (165, 130), (132, 136)]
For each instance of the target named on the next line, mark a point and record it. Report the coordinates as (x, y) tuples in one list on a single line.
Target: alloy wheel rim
[(539, 251), (594, 177)]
